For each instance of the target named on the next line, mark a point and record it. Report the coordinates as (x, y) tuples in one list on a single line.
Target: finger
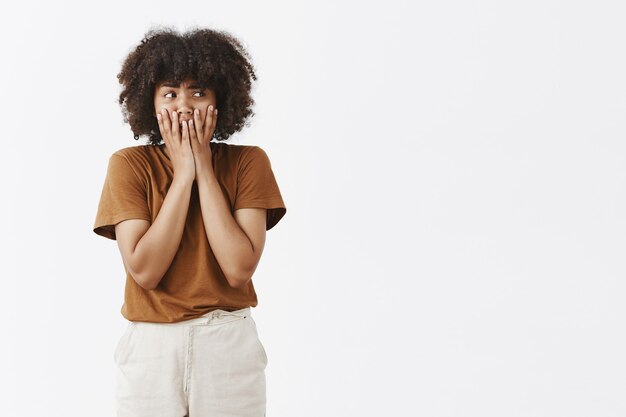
[(192, 131), (214, 120), (185, 133), (167, 123), (160, 123), (161, 118), (197, 124), (213, 123), (176, 133), (208, 122)]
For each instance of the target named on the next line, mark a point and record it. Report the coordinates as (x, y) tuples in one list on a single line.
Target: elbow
[(149, 284), (143, 278), (145, 282), (239, 280)]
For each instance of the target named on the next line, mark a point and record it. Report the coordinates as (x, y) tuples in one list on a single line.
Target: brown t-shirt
[(135, 186)]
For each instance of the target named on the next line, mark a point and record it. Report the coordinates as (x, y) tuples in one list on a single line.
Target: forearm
[(155, 251), (230, 245)]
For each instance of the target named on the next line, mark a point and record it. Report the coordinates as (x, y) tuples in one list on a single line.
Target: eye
[(197, 92)]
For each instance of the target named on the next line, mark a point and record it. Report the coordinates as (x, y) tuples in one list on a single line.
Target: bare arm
[(148, 250), (238, 241)]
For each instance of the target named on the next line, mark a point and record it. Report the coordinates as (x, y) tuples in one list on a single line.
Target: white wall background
[(454, 173)]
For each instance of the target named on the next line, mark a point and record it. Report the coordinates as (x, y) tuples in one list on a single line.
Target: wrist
[(182, 180), (204, 170)]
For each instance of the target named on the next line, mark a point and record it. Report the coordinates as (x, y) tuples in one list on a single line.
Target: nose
[(185, 112)]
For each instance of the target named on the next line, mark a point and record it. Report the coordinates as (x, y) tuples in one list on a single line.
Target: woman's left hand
[(200, 135)]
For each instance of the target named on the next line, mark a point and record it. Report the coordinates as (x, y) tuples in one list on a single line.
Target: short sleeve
[(124, 196), (257, 186)]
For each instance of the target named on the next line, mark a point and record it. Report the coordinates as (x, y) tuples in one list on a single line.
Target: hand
[(201, 133), (178, 145)]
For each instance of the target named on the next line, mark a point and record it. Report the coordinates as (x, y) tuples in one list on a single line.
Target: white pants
[(210, 366)]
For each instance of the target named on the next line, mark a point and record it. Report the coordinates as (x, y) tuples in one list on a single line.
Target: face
[(183, 99)]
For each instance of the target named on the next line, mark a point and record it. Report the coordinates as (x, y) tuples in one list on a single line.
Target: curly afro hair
[(216, 59)]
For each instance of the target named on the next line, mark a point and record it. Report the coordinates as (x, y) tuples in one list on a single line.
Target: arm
[(148, 250), (238, 241)]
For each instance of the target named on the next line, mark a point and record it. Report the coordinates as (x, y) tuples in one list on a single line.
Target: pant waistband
[(207, 317)]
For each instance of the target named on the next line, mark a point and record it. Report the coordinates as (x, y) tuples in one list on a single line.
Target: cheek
[(159, 107)]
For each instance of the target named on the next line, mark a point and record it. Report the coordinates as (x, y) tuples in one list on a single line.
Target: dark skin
[(238, 239), (187, 118)]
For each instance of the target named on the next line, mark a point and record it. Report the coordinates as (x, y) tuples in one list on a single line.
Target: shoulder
[(251, 153), (141, 160), (234, 149), (133, 152), (240, 155)]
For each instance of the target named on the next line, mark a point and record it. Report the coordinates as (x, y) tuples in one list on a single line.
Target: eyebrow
[(174, 85)]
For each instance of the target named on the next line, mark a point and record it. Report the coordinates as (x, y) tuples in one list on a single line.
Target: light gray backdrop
[(454, 173)]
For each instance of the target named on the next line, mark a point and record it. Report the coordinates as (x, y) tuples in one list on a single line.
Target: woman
[(189, 216)]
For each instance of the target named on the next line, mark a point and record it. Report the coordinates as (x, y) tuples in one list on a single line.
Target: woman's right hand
[(178, 144)]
